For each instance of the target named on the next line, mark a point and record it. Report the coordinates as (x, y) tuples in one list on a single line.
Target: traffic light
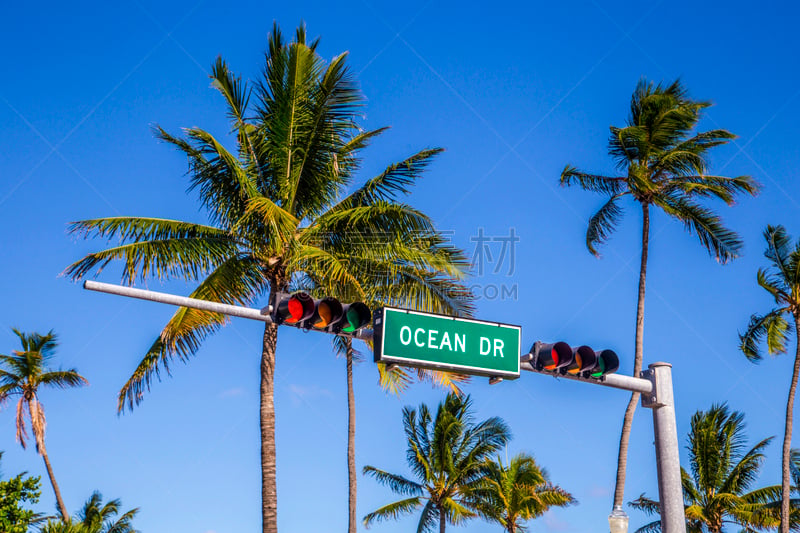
[(326, 314), (561, 358)]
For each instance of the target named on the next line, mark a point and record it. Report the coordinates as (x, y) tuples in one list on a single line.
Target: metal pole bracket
[(651, 400)]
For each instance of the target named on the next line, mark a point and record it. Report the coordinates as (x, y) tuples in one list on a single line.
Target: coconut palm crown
[(782, 281), (718, 489), (447, 455), (662, 162), (513, 493), (279, 215)]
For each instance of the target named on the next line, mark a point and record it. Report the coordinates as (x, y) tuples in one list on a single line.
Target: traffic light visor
[(607, 363), (297, 308), (553, 356), (584, 358), (357, 316), (329, 311)]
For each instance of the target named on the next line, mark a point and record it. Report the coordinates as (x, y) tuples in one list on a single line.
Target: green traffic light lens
[(357, 316), (607, 363), (599, 369)]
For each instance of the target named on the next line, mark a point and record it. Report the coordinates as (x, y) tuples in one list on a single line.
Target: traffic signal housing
[(324, 314), (583, 361)]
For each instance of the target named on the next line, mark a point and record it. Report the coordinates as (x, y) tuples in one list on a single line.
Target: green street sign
[(440, 342)]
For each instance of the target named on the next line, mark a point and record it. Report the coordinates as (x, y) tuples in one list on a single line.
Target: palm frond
[(395, 380), (778, 249), (455, 512), (603, 223), (646, 505), (237, 281), (428, 518), (774, 284), (393, 182), (773, 326), (397, 484), (652, 527), (393, 510), (705, 186), (721, 242), (164, 248), (592, 182), (378, 220), (231, 87), (62, 379)]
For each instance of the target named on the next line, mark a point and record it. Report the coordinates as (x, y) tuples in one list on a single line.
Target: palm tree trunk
[(269, 491), (627, 421), (787, 437), (351, 440), (60, 501), (442, 521)]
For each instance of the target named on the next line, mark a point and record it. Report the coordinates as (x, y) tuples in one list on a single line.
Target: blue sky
[(513, 92)]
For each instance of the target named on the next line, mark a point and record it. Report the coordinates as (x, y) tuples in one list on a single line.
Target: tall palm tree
[(782, 280), (447, 455), (383, 286), (718, 489), (514, 493), (773, 509), (664, 163), (22, 374), (278, 216), (396, 380)]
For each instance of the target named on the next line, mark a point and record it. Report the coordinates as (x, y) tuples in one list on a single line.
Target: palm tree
[(511, 494), (718, 490), (782, 280), (95, 517), (59, 526), (384, 287), (22, 374), (519, 491), (99, 518), (278, 217), (662, 163), (773, 509), (395, 380), (447, 456)]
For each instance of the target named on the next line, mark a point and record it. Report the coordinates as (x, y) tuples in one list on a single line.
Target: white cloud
[(598, 491), (553, 523), (306, 393), (230, 393)]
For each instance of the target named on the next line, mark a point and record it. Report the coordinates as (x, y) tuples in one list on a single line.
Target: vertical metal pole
[(670, 490)]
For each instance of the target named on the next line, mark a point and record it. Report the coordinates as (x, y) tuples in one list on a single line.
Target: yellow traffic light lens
[(325, 315), (577, 364)]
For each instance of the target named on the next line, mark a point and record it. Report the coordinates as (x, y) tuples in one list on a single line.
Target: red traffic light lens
[(554, 356), (299, 307)]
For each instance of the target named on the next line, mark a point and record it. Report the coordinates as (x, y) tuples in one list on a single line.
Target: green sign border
[(380, 357)]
